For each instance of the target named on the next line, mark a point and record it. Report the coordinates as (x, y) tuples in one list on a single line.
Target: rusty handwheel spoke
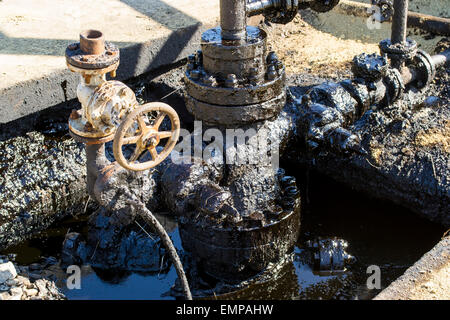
[(159, 119), (141, 122), (164, 134), (131, 140), (137, 153), (153, 153), (147, 137)]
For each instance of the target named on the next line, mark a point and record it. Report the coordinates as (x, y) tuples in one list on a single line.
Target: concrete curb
[(423, 271), (32, 96)]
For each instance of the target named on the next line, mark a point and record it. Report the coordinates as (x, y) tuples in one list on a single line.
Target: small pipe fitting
[(103, 103), (92, 42)]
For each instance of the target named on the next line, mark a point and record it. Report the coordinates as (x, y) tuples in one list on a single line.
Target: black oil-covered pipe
[(95, 162), (399, 21)]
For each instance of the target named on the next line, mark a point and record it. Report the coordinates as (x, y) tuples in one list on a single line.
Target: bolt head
[(199, 57), (73, 46), (231, 81), (192, 58), (272, 73), (272, 57), (209, 81), (153, 142), (194, 74)]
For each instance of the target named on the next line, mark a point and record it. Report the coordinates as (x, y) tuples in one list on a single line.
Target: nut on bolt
[(253, 75), (192, 61), (194, 74), (272, 73), (272, 58), (231, 81), (210, 81), (73, 46)]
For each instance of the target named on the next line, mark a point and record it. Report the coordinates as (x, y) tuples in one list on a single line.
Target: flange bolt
[(272, 73), (210, 81), (194, 74), (272, 58), (231, 81)]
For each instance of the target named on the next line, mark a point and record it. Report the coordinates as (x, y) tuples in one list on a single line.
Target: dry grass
[(435, 137), (303, 48)]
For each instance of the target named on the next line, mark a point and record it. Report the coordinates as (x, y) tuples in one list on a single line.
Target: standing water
[(379, 233)]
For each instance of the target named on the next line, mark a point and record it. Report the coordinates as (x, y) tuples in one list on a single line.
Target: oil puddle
[(379, 233)]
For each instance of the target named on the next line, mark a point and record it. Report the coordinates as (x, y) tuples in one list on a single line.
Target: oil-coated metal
[(233, 19)]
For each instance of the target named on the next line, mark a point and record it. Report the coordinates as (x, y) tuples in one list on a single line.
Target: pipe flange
[(237, 95), (423, 62), (283, 14), (399, 51), (370, 67), (76, 57), (88, 140), (323, 5), (395, 85), (220, 59), (221, 115)]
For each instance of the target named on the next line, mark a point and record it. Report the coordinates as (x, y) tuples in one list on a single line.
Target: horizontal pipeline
[(435, 25)]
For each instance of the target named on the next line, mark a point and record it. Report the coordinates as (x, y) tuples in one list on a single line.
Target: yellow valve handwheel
[(144, 122)]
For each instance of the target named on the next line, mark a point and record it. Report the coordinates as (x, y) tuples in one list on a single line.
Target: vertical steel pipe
[(233, 19), (399, 21)]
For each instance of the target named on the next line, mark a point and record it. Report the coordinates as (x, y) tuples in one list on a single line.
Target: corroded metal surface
[(231, 84), (92, 52), (235, 254), (235, 115), (146, 137), (228, 242), (242, 95), (220, 58)]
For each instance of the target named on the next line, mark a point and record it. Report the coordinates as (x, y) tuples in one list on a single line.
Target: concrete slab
[(427, 279), (34, 35)]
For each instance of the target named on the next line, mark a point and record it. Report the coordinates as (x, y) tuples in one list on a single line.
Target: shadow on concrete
[(170, 50), (32, 46), (53, 120), (168, 16), (173, 45)]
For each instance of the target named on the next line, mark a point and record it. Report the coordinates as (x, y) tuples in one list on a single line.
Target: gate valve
[(109, 109)]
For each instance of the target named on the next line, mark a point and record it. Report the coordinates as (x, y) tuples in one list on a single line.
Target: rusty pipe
[(92, 42)]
